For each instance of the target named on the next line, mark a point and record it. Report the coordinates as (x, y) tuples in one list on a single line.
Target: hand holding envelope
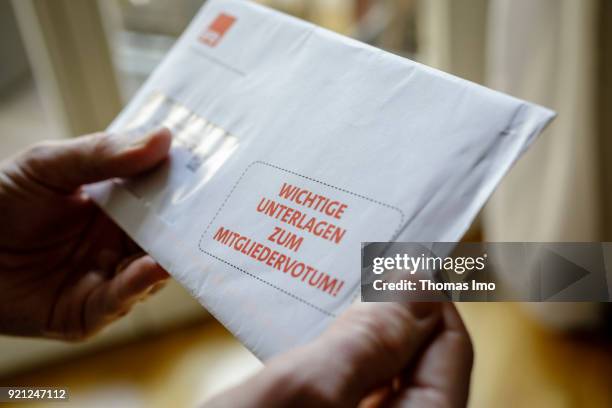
[(66, 271)]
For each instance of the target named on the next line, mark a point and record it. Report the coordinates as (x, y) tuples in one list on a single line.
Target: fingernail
[(422, 310), (127, 261), (137, 138), (157, 287), (141, 141)]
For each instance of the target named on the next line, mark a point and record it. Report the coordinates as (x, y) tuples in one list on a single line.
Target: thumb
[(66, 165)]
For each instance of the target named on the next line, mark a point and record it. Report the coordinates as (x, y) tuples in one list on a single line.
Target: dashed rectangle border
[(295, 297)]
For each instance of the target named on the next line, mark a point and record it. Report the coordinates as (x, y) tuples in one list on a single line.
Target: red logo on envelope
[(217, 29)]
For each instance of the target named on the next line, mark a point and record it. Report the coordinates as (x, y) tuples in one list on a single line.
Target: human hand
[(66, 270), (375, 355)]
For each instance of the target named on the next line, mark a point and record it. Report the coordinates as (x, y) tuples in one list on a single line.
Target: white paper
[(258, 100)]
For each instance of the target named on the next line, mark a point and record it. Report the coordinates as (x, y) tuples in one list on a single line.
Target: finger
[(115, 297), (66, 165), (123, 264), (442, 375)]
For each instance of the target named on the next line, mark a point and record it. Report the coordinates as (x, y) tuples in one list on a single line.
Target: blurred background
[(67, 68)]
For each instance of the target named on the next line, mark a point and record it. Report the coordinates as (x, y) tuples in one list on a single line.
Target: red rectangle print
[(217, 29)]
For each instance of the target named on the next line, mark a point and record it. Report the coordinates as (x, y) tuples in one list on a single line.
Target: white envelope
[(292, 146)]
